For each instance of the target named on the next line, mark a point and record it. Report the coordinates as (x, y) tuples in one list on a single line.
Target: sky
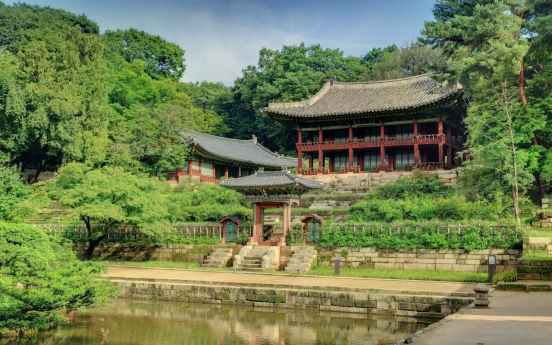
[(222, 37)]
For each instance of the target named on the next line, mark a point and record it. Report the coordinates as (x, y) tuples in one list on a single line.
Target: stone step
[(249, 269), (303, 256), (299, 264), (252, 262), (249, 266), (296, 269)]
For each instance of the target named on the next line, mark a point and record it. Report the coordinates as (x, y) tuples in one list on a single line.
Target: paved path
[(289, 281), (513, 318)]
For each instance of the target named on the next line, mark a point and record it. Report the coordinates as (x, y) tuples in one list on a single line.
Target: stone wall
[(534, 269), (363, 303), (144, 252), (420, 259), (537, 245)]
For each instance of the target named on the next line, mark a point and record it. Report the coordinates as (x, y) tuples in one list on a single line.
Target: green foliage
[(296, 235), (39, 278), (506, 276), (389, 273), (430, 235), (418, 183), (110, 196), (12, 190), (162, 58), (192, 201)]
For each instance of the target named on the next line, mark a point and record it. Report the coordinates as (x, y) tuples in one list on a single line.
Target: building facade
[(213, 158), (376, 126)]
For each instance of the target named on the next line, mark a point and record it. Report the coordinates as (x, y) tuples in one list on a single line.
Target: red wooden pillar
[(350, 147), (200, 164), (190, 167), (214, 171), (360, 158), (177, 175), (299, 151), (416, 151), (440, 136), (226, 171), (320, 152), (331, 167), (382, 146)]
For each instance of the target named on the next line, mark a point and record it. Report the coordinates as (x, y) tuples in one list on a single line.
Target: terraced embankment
[(352, 295)]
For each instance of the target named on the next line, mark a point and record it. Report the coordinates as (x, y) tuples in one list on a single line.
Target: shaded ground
[(513, 318), (287, 281)]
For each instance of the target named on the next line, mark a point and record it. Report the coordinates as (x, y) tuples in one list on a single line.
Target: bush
[(296, 235), (419, 183), (410, 235)]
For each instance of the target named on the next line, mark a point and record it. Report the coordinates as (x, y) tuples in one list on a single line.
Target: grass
[(537, 256), (537, 233), (451, 276), (166, 264)]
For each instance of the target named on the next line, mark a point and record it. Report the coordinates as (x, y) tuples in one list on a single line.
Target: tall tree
[(53, 99), (108, 197), (162, 58), (496, 42), (290, 74)]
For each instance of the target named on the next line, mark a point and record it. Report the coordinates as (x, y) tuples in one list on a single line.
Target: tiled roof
[(235, 150), (267, 179), (349, 100)]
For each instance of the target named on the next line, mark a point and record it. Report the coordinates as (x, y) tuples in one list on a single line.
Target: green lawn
[(345, 272), (537, 233), (537, 256)]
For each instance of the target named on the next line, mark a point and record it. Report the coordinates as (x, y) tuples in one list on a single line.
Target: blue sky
[(223, 37)]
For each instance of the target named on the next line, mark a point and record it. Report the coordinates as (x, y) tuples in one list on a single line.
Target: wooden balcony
[(337, 145)]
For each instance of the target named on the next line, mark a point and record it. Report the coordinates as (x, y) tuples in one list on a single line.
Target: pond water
[(132, 322)]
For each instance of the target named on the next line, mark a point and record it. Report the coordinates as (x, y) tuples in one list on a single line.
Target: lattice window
[(403, 157), (340, 160), (342, 135), (404, 130), (207, 169), (371, 159), (372, 133), (195, 165)]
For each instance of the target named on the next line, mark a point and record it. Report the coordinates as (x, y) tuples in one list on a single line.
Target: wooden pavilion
[(213, 158), (271, 189), (376, 126)]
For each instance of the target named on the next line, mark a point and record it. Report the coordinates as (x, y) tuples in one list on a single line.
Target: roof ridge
[(216, 137), (420, 76)]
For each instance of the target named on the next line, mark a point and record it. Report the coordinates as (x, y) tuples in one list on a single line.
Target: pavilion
[(271, 189), (377, 126), (213, 158)]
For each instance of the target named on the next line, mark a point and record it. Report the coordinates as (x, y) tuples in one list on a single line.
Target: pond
[(135, 322)]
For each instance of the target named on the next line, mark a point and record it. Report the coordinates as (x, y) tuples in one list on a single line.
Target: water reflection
[(129, 322)]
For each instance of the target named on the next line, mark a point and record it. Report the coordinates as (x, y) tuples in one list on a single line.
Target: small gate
[(229, 227), (313, 230), (312, 225), (230, 232)]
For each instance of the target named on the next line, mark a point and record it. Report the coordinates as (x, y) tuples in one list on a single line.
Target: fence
[(449, 230), (128, 232)]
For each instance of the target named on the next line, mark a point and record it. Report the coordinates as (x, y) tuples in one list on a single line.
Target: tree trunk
[(91, 246)]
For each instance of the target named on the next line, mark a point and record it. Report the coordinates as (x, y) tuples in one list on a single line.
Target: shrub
[(296, 234), (410, 235), (417, 184)]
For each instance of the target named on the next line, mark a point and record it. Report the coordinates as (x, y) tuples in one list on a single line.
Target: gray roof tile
[(271, 179), (241, 151), (337, 99)]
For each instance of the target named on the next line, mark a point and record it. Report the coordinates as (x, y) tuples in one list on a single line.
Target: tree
[(108, 197), (287, 75), (163, 59), (53, 100), (149, 118), (499, 129), (495, 42), (39, 278), (12, 190)]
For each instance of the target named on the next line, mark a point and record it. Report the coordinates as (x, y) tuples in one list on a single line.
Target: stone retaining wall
[(534, 269), (537, 245), (363, 303), (420, 259), (144, 252)]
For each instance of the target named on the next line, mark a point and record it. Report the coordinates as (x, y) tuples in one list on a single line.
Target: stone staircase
[(301, 260), (257, 258), (219, 257)]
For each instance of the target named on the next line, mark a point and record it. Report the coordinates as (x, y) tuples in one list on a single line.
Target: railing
[(208, 179), (430, 166), (129, 232), (353, 169), (375, 142)]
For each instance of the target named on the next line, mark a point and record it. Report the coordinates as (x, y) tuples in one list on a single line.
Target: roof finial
[(254, 139), (332, 79)]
